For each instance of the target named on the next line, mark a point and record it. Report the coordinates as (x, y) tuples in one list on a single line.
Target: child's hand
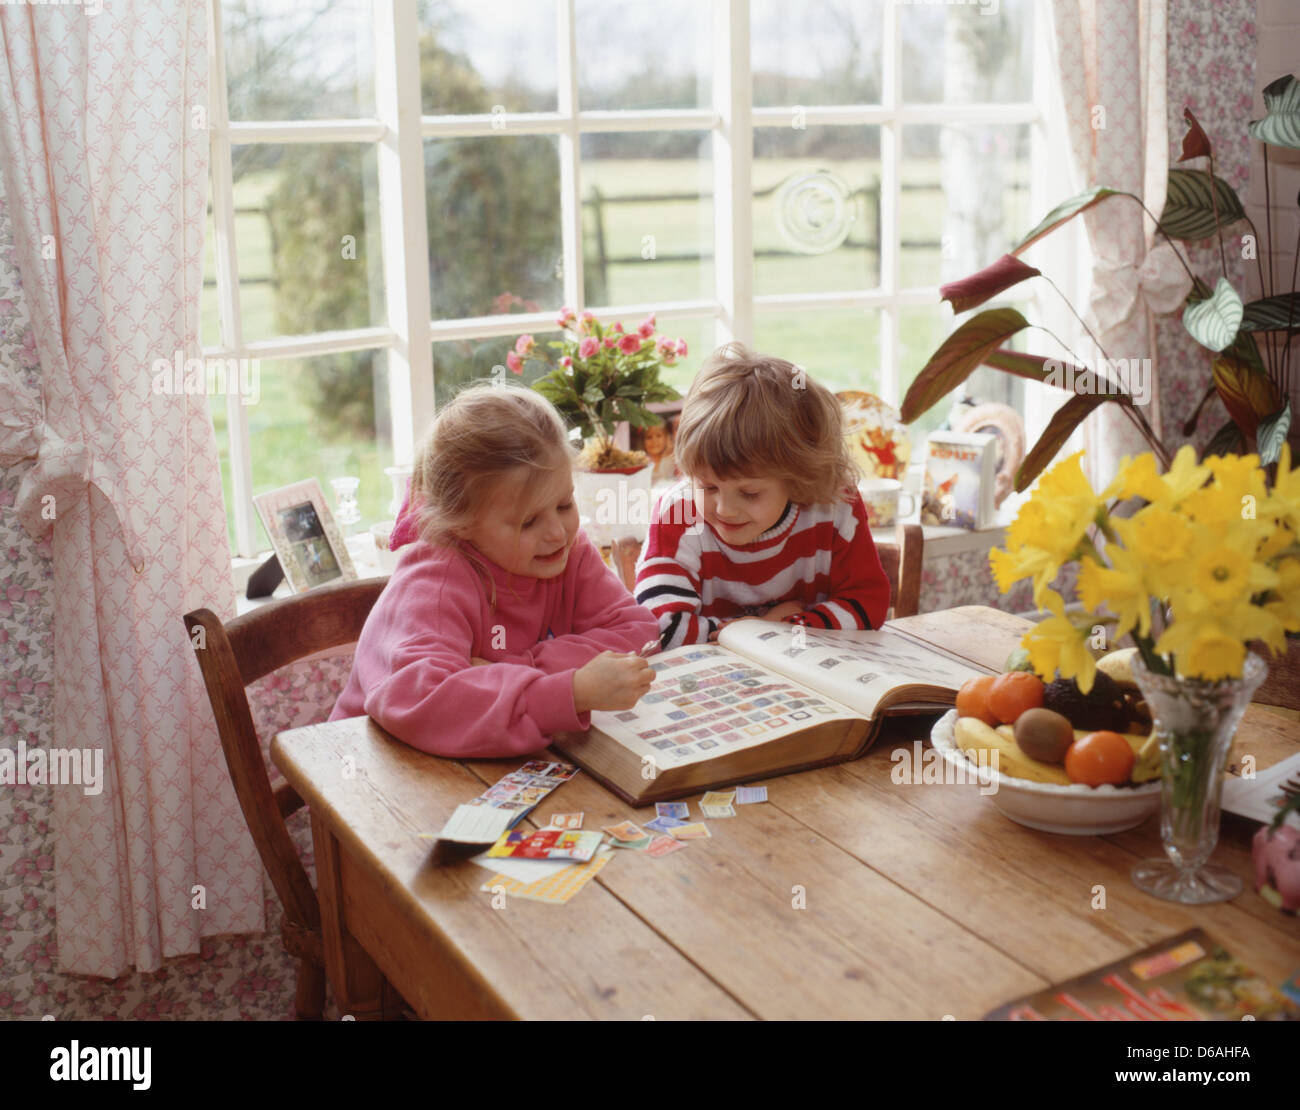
[(611, 681), (780, 612), (475, 661)]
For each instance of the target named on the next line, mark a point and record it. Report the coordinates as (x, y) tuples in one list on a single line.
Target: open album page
[(857, 668), (706, 702)]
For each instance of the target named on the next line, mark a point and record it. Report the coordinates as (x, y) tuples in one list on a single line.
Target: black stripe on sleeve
[(645, 595), (861, 612)]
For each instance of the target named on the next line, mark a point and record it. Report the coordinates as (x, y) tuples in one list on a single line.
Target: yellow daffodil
[(1056, 644), (1239, 474), (1185, 475), (1140, 478), (1203, 649), (1223, 573), (1119, 588), (1155, 536), (1277, 542), (1284, 604), (1284, 500)]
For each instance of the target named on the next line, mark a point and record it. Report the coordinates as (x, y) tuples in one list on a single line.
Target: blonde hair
[(753, 416), (484, 436)]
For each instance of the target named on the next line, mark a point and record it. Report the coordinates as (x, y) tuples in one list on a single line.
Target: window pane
[(324, 417), (965, 198), (476, 56), (920, 332), (307, 235), (494, 223), (461, 362), (816, 209), (825, 52), (699, 345), (968, 53), (289, 61), (647, 211), (839, 347), (668, 64)]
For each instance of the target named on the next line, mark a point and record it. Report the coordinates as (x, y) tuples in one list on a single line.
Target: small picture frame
[(657, 441), (306, 540)]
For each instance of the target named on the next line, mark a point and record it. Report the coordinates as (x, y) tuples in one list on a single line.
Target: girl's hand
[(475, 661), (611, 681), (780, 612)]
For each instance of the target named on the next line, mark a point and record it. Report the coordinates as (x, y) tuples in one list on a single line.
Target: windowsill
[(361, 548)]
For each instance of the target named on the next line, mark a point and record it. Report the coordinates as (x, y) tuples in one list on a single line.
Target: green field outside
[(839, 347)]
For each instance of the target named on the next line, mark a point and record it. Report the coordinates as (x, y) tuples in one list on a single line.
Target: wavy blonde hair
[(483, 437), (753, 416)]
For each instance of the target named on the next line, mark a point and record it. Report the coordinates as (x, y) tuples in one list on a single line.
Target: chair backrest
[(901, 562), (233, 655)]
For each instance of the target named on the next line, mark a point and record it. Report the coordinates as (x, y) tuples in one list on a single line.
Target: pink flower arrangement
[(603, 375)]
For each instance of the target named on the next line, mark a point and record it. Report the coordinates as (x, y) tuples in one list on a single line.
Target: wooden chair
[(232, 656), (901, 561)]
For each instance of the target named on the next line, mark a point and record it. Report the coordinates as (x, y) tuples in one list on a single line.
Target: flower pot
[(614, 504), (1195, 721)]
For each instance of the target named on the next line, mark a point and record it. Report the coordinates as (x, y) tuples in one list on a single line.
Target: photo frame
[(665, 466), (305, 537)]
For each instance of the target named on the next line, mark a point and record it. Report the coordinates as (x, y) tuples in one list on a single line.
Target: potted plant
[(1252, 384), (602, 377)]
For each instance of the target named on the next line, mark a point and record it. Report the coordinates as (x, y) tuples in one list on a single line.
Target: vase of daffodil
[(1207, 564)]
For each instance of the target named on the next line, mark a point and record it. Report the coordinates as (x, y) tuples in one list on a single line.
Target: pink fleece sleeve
[(605, 616), (419, 684)]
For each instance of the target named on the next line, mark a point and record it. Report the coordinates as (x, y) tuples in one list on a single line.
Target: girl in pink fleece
[(501, 624)]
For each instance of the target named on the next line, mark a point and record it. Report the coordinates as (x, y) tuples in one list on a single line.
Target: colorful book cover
[(959, 479), (546, 844), (1190, 977)]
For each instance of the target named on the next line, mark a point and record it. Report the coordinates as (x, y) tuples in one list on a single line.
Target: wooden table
[(914, 901)]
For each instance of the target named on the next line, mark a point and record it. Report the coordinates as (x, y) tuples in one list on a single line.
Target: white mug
[(881, 496)]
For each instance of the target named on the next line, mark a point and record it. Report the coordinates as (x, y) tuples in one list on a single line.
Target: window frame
[(399, 134)]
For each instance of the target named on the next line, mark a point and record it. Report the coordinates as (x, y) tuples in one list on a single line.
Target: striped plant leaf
[(1022, 365), (1281, 125), (1189, 207), (961, 353), (1068, 417), (1272, 313), (1063, 212), (1247, 394), (1272, 434), (1226, 441), (1213, 322)]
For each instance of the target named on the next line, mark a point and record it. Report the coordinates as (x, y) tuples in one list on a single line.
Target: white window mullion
[(231, 325), (733, 164), (566, 49), (404, 229), (890, 154)]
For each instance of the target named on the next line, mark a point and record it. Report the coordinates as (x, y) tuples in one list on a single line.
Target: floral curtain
[(1111, 60), (104, 151)]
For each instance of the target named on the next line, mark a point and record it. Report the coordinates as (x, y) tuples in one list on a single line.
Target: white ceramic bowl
[(1074, 810)]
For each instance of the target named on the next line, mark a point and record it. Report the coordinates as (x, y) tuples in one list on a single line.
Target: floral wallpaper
[(1211, 69)]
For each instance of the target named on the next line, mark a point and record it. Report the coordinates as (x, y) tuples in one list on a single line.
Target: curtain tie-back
[(1158, 282), (61, 466)]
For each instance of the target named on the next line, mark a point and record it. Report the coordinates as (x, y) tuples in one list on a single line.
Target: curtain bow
[(61, 468), (1159, 282)]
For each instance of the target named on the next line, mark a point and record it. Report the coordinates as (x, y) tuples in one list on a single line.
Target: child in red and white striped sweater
[(768, 521)]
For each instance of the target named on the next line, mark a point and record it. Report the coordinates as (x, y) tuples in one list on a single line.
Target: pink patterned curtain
[(1111, 58), (104, 153)]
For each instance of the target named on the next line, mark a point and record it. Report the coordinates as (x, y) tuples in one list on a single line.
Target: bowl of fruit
[(1058, 760)]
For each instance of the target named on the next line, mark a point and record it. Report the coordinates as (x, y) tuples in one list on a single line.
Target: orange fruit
[(1014, 692), (1100, 758), (973, 699)]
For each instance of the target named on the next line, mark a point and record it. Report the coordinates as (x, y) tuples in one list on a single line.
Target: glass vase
[(1195, 721)]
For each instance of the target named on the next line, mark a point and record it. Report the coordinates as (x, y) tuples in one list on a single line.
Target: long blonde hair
[(750, 415), (484, 436)]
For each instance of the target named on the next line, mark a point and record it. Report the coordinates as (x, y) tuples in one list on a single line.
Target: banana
[(1119, 666), (973, 734)]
